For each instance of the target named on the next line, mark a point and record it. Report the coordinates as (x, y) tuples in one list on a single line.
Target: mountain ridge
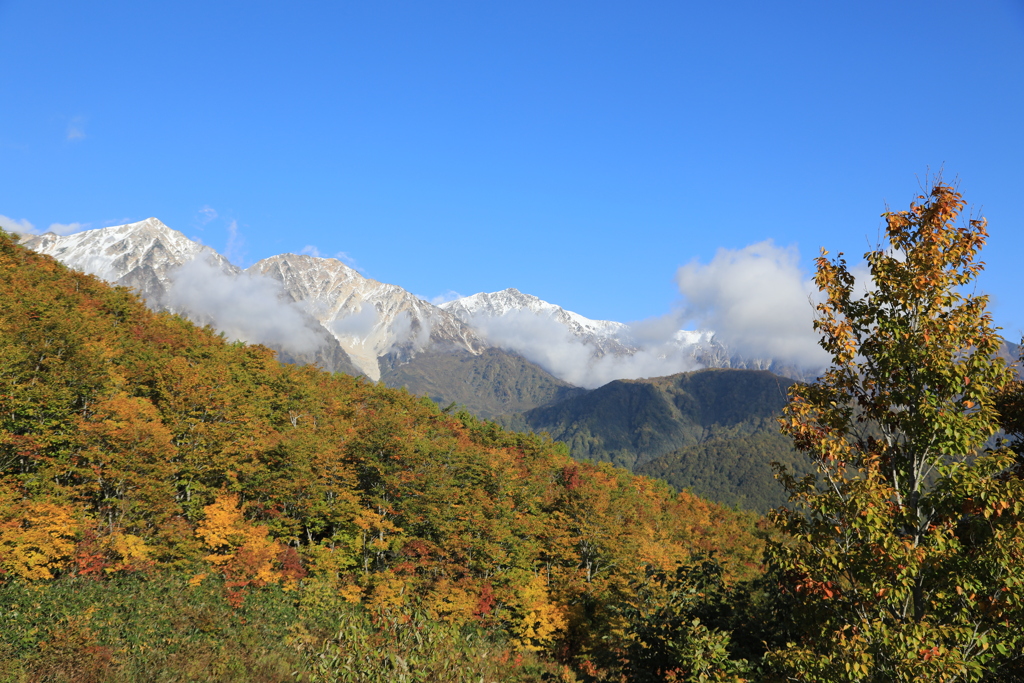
[(325, 312), (346, 304), (712, 430)]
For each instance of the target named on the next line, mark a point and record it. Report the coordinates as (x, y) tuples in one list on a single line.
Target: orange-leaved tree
[(909, 555), (244, 551)]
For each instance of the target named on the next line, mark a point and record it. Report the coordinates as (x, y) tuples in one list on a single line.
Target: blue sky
[(579, 151)]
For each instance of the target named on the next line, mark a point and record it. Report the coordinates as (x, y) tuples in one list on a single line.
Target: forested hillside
[(491, 383), (141, 454), (714, 431), (732, 468)]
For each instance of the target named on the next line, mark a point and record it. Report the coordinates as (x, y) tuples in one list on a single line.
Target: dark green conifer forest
[(174, 507)]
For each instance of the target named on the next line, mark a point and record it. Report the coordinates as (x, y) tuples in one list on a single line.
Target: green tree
[(907, 555), (678, 626)]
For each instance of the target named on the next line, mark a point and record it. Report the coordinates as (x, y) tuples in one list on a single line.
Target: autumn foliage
[(176, 506), (907, 553), (133, 442)]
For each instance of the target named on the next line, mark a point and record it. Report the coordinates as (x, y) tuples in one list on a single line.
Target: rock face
[(370, 319)]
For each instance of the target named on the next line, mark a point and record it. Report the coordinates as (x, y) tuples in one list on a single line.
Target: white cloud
[(444, 298), (118, 221), (247, 307), (67, 228), (76, 129), (757, 301), (314, 251), (544, 341), (409, 329), (233, 249), (863, 282), (349, 261), (358, 324), (22, 227), (26, 228), (653, 331), (207, 214)]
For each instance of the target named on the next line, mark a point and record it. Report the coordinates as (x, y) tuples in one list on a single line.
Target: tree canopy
[(906, 555)]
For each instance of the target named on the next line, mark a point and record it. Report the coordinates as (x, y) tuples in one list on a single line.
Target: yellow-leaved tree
[(37, 538), (244, 551), (908, 561)]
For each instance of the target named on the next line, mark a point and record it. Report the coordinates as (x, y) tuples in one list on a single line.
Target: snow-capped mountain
[(174, 273), (325, 303), (319, 310), (574, 348), (605, 336), (369, 318), (589, 353), (138, 255)]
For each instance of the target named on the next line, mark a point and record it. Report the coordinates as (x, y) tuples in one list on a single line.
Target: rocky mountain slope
[(370, 319), (140, 255), (480, 309)]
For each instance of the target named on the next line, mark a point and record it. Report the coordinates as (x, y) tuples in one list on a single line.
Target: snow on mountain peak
[(583, 351), (512, 301), (369, 318), (140, 255)]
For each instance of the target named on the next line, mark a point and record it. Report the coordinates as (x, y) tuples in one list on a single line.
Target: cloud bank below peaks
[(541, 339), (246, 307), (758, 302)]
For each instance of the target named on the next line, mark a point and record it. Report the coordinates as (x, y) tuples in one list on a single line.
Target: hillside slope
[(629, 422), (732, 469), (134, 441), (694, 429), (491, 383)]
